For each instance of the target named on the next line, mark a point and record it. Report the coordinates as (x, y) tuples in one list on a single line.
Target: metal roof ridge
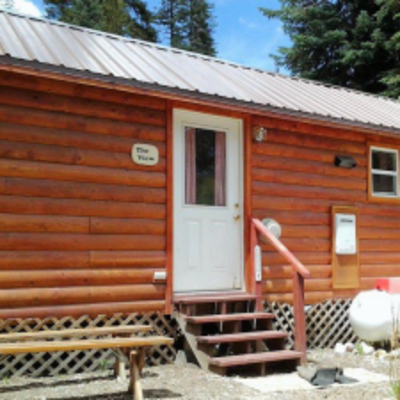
[(197, 55)]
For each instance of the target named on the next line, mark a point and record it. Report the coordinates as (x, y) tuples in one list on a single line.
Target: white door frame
[(208, 121)]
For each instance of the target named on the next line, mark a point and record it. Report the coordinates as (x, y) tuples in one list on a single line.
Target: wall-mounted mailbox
[(345, 234)]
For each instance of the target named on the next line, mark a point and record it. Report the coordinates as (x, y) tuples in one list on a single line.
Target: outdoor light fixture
[(259, 134), (345, 162)]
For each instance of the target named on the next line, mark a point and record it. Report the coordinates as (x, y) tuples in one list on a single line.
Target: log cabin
[(134, 178)]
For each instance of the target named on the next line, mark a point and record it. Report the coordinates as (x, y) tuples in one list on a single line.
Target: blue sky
[(243, 34)]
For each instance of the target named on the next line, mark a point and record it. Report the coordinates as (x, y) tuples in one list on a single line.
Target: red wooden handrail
[(293, 261), (300, 272)]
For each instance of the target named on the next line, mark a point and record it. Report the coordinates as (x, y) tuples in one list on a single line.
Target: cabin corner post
[(300, 337)]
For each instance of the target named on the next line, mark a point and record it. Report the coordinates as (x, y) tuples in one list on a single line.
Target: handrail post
[(300, 340)]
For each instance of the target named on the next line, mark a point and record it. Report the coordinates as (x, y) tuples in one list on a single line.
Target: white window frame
[(385, 173)]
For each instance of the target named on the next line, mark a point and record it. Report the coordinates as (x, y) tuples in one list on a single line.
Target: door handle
[(236, 217)]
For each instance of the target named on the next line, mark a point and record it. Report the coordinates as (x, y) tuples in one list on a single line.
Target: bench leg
[(119, 368), (135, 386)]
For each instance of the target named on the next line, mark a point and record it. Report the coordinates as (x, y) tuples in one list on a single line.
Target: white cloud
[(27, 7)]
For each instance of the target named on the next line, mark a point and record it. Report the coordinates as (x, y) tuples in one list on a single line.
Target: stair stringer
[(201, 357)]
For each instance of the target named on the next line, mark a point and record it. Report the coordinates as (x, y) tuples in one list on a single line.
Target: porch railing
[(300, 272)]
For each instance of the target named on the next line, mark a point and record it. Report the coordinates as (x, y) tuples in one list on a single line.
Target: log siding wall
[(82, 228), (296, 183)]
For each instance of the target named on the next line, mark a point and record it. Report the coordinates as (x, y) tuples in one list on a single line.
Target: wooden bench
[(131, 347)]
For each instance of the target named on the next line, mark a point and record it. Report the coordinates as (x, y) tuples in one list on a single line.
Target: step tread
[(217, 298), (241, 337), (202, 319), (257, 358)]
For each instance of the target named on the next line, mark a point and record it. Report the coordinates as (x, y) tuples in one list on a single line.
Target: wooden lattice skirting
[(327, 323), (59, 363)]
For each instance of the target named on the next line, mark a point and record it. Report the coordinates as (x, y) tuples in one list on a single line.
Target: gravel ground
[(189, 382)]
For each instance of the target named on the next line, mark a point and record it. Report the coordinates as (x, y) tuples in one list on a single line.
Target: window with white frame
[(384, 172)]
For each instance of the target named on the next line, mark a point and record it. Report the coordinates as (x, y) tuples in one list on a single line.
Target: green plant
[(104, 365), (359, 349), (6, 380), (394, 365)]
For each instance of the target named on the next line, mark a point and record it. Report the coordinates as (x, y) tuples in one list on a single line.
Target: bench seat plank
[(87, 344), (65, 333)]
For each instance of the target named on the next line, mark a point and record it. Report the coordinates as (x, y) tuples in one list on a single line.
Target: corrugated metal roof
[(74, 48)]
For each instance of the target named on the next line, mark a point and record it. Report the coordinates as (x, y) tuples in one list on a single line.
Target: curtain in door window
[(220, 169), (190, 166)]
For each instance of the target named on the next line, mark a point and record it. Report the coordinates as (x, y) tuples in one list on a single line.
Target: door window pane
[(205, 167)]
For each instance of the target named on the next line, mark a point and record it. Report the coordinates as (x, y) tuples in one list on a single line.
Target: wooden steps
[(226, 333), (257, 358), (242, 337), (206, 319), (185, 299)]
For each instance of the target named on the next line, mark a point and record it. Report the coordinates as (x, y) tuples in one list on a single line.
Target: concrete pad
[(292, 381)]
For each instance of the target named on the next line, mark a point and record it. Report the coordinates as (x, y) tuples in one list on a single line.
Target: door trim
[(174, 113)]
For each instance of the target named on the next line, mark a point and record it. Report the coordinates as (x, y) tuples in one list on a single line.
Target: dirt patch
[(189, 382)]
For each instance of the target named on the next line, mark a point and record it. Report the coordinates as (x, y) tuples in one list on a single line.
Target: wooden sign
[(145, 154)]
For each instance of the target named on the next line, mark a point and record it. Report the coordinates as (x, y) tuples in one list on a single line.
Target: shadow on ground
[(147, 394), (9, 388)]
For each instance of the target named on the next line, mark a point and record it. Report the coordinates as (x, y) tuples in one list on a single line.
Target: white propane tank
[(372, 314)]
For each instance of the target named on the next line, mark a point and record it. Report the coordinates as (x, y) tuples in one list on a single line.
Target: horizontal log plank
[(79, 242), (43, 223), (380, 257), (286, 285), (38, 170), (302, 245), (301, 127), (380, 270), (58, 120), (39, 260), (78, 106), (127, 226), (73, 156), (307, 192), (69, 138), (313, 142), (296, 218), (106, 259), (75, 277), (80, 190), (300, 178), (307, 258), (302, 153), (286, 271), (15, 298), (16, 80), (46, 206), (297, 165), (74, 311), (310, 297)]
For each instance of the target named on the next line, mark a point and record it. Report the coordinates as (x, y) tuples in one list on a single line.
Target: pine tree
[(188, 25), (141, 25), (122, 17), (351, 43), (200, 27), (172, 16)]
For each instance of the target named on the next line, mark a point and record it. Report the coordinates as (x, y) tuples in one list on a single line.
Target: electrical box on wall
[(345, 234)]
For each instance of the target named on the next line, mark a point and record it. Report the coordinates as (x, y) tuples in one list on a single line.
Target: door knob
[(236, 217)]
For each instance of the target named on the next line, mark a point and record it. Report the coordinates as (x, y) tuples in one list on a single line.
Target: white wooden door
[(208, 202)]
